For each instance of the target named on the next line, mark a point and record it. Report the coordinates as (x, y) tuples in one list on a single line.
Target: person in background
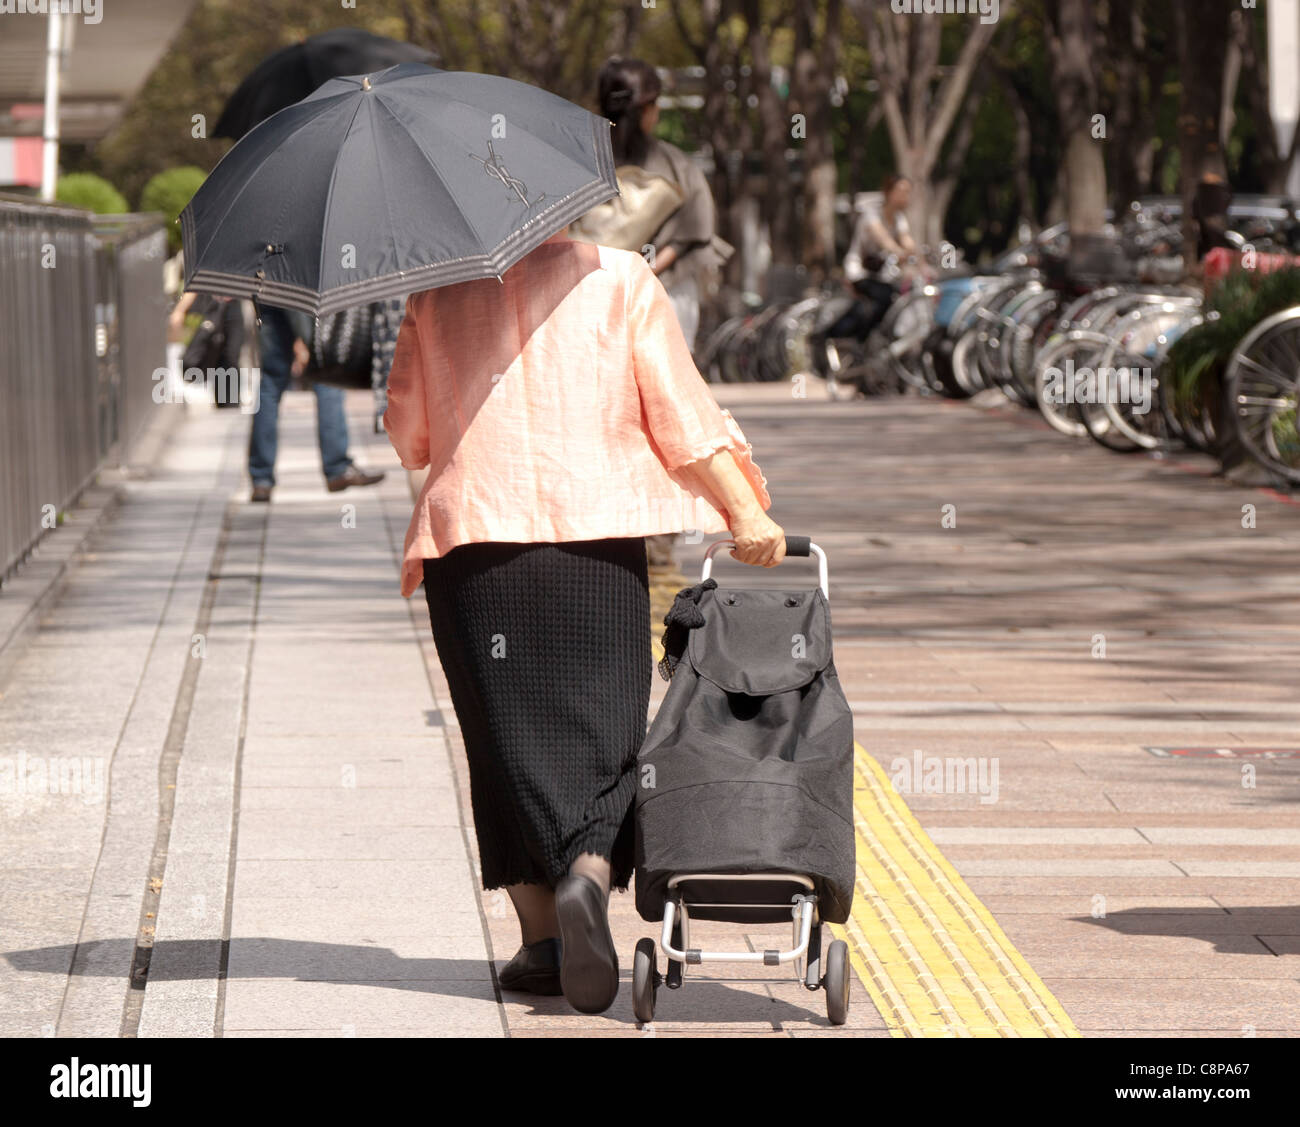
[(685, 246), (882, 230), (282, 339), (880, 233), (217, 344)]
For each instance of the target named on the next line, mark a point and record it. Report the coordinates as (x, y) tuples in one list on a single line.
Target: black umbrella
[(382, 185), (291, 73)]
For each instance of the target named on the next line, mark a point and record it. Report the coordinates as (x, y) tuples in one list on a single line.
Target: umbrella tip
[(365, 82)]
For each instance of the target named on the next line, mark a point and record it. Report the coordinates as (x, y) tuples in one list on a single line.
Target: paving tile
[(1157, 1005), (356, 908), (466, 1006)]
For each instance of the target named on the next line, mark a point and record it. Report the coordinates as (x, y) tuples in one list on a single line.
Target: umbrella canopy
[(382, 185), (291, 73)]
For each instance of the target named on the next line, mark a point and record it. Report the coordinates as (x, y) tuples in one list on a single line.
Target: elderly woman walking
[(562, 421)]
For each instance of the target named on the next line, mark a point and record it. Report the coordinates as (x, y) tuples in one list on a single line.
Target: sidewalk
[(308, 809), (1152, 894), (282, 846)]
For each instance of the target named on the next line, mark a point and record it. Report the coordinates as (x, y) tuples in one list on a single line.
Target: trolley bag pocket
[(748, 766)]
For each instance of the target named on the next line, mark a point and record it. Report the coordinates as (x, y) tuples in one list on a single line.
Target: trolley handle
[(794, 546)]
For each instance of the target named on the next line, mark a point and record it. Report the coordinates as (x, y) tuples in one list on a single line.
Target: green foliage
[(169, 192), (94, 193), (981, 218), (170, 120), (1198, 360), (560, 44), (672, 128), (863, 155)]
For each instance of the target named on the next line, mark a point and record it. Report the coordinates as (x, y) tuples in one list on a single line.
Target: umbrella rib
[(379, 172), (329, 195), (248, 176), (441, 180)]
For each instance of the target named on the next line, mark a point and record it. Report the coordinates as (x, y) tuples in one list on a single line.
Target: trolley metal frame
[(805, 951)]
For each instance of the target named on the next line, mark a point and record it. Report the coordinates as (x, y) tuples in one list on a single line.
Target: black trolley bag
[(744, 807)]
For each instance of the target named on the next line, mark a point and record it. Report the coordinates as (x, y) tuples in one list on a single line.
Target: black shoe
[(588, 962), (261, 493), (535, 968), (352, 476)]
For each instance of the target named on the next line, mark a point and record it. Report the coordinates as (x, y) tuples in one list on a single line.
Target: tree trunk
[(1273, 164), (813, 78), (774, 139), (944, 183), (1072, 49), (919, 118), (710, 49), (1202, 28), (1126, 41), (1020, 159)]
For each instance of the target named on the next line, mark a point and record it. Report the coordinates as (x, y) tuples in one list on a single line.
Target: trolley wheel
[(645, 980), (836, 982)]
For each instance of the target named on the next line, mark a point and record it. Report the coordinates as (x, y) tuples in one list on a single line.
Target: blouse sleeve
[(683, 419), (406, 420)]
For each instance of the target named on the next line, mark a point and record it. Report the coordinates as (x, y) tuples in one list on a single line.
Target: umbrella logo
[(494, 166)]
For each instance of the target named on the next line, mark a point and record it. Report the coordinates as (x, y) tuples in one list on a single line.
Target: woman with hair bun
[(684, 246)]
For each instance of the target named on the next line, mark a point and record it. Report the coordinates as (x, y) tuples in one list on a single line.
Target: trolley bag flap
[(761, 642)]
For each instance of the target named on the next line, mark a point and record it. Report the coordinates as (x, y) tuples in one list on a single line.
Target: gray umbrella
[(382, 185)]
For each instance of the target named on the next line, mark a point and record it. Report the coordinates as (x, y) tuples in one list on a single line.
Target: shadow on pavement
[(348, 964), (1241, 931)]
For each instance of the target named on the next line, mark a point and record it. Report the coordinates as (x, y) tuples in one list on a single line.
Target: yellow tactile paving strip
[(931, 956)]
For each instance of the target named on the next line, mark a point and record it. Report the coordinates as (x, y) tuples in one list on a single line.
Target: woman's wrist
[(732, 493), (743, 511)]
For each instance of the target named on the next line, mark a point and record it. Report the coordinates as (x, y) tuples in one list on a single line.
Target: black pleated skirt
[(546, 649)]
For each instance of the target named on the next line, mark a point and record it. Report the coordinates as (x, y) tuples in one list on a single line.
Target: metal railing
[(82, 329)]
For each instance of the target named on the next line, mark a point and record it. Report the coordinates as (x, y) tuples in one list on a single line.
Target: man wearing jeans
[(282, 331)]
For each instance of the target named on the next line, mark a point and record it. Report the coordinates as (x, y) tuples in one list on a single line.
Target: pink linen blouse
[(558, 403)]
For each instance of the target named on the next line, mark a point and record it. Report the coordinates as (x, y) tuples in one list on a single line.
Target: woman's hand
[(301, 357), (759, 540), (663, 259)]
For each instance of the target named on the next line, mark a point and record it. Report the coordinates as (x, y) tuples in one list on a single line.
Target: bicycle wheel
[(1032, 323), (1263, 381), (1127, 402), (845, 356), (716, 355), (1135, 411), (907, 327), (1053, 392), (938, 355), (965, 367), (1098, 423)]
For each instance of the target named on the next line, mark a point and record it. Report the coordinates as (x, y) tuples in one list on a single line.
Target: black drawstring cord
[(682, 617)]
